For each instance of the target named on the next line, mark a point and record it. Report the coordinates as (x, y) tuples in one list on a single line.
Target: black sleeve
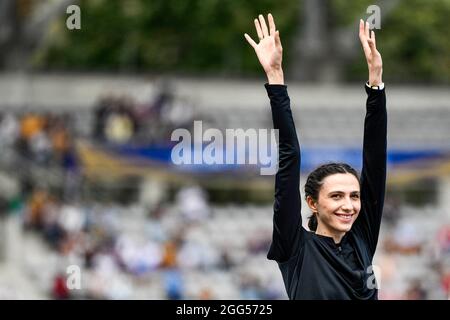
[(287, 205), (373, 175)]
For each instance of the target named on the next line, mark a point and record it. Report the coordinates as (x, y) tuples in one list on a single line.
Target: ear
[(311, 204)]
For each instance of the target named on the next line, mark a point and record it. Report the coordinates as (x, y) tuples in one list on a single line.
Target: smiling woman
[(337, 187), (334, 259)]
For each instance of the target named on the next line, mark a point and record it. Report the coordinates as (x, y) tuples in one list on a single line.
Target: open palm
[(373, 57), (269, 50)]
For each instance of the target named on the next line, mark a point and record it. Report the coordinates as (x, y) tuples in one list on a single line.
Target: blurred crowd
[(179, 248), (162, 251), (40, 138), (136, 251), (190, 249), (121, 120), (414, 255), (48, 138)]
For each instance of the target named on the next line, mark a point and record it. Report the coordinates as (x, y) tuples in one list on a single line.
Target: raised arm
[(373, 175), (287, 205)]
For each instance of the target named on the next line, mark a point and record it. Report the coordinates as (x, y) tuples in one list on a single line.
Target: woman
[(334, 260)]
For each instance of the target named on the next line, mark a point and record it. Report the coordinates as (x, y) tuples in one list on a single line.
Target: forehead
[(345, 182)]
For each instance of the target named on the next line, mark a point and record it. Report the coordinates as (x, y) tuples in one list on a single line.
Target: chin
[(344, 228)]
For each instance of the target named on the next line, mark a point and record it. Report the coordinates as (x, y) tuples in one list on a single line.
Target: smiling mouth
[(345, 217)]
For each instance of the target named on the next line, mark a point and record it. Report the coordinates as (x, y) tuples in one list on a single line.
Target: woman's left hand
[(373, 57)]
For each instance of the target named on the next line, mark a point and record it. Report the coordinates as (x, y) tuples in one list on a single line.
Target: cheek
[(329, 206), (332, 206)]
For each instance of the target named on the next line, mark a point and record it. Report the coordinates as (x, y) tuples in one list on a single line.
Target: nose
[(347, 205)]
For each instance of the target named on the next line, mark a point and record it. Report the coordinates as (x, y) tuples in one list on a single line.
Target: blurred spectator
[(416, 291), (391, 210), (118, 128), (53, 232), (169, 259), (9, 130), (179, 114), (71, 218), (445, 283), (154, 229), (101, 112), (60, 138), (205, 294), (31, 124), (226, 262), (36, 207), (163, 98), (119, 120), (192, 203), (405, 239), (60, 290), (115, 120), (138, 258), (40, 148), (250, 287), (259, 241), (173, 284), (444, 239)]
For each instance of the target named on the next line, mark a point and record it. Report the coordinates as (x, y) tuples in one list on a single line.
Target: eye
[(355, 196), (336, 196)]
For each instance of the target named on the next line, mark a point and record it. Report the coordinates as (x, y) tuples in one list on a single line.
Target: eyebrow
[(341, 192)]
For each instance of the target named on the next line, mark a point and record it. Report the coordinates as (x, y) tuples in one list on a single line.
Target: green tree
[(205, 37), (196, 36)]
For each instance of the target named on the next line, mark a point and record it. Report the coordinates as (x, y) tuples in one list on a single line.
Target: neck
[(336, 235)]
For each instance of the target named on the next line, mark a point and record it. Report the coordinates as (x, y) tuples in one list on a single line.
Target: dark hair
[(315, 181)]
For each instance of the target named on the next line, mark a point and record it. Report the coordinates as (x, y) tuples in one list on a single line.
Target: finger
[(250, 41), (372, 36), (262, 22), (277, 39), (366, 48), (271, 24), (367, 30), (373, 48), (364, 38), (258, 30), (361, 28)]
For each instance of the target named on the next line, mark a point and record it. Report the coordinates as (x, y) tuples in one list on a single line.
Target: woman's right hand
[(269, 49)]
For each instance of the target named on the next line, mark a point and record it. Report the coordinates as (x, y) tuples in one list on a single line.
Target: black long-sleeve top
[(314, 266)]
